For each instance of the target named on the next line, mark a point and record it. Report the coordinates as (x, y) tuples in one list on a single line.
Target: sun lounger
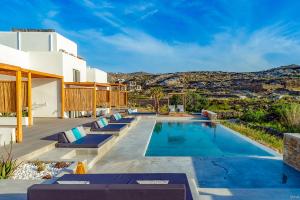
[(104, 126), (171, 108), (152, 186), (180, 108), (77, 138), (117, 118)]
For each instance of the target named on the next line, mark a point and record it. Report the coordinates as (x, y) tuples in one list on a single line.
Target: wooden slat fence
[(102, 98), (114, 98), (8, 96), (122, 98), (78, 99)]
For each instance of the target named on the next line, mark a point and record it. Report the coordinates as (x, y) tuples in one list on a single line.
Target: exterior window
[(76, 75)]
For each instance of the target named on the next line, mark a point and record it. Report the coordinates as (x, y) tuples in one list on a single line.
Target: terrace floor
[(37, 139)]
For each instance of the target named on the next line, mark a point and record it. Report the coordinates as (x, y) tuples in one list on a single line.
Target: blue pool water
[(199, 139), (222, 158)]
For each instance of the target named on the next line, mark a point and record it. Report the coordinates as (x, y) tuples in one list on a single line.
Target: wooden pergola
[(19, 73), (182, 94), (91, 96), (115, 94), (121, 89)]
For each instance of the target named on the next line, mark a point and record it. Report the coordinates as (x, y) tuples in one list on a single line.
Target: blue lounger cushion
[(126, 120), (173, 178), (142, 113), (89, 141), (109, 127)]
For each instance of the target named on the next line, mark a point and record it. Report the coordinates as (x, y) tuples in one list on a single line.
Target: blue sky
[(169, 36)]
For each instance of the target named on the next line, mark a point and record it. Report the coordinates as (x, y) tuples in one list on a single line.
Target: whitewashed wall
[(46, 94), (49, 62), (35, 41), (70, 63), (64, 43), (12, 56), (9, 39), (96, 75)]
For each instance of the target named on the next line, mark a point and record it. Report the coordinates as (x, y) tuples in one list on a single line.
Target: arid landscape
[(284, 80)]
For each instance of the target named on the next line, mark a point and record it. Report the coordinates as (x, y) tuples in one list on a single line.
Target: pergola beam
[(183, 94)]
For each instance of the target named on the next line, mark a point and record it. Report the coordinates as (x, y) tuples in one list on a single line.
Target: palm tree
[(157, 94)]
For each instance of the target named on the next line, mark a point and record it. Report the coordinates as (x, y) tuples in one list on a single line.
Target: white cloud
[(52, 13), (228, 51), (109, 18), (148, 14), (134, 50)]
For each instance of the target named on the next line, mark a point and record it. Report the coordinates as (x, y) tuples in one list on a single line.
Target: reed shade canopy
[(123, 98), (78, 99), (102, 98), (114, 98), (118, 95), (8, 96)]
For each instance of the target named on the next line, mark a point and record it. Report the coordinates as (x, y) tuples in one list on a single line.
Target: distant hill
[(279, 78)]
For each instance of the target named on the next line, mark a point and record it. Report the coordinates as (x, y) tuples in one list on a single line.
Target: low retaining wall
[(12, 121), (211, 115), (7, 135), (291, 151)]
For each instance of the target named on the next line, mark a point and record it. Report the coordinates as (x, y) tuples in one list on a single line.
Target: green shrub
[(254, 116), (164, 109), (195, 102), (258, 135), (175, 100), (7, 164), (291, 117)]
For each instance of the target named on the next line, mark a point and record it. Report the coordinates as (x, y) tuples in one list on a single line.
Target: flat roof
[(31, 30)]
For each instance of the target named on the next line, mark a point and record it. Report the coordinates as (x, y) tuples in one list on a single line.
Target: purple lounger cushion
[(122, 120), (89, 141), (106, 192), (109, 127), (174, 178), (142, 113)]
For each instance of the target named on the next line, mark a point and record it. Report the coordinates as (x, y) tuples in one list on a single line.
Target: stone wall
[(291, 151)]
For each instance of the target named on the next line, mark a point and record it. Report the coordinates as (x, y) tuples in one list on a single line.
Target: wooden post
[(119, 96), (94, 101), (29, 98), (62, 111), (109, 97), (126, 98), (19, 134)]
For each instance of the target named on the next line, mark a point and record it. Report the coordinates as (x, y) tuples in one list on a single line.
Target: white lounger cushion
[(82, 131), (160, 182), (171, 108), (70, 136), (73, 182)]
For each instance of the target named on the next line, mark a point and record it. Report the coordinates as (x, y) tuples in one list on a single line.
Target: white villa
[(48, 64)]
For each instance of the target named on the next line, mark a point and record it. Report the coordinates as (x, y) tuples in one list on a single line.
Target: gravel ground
[(28, 171)]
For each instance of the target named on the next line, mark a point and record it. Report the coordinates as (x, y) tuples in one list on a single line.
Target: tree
[(195, 102), (157, 94), (175, 100)]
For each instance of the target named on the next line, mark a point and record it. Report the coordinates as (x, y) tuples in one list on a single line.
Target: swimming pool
[(200, 139)]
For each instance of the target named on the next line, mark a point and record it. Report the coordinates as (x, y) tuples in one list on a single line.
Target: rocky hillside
[(279, 79)]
